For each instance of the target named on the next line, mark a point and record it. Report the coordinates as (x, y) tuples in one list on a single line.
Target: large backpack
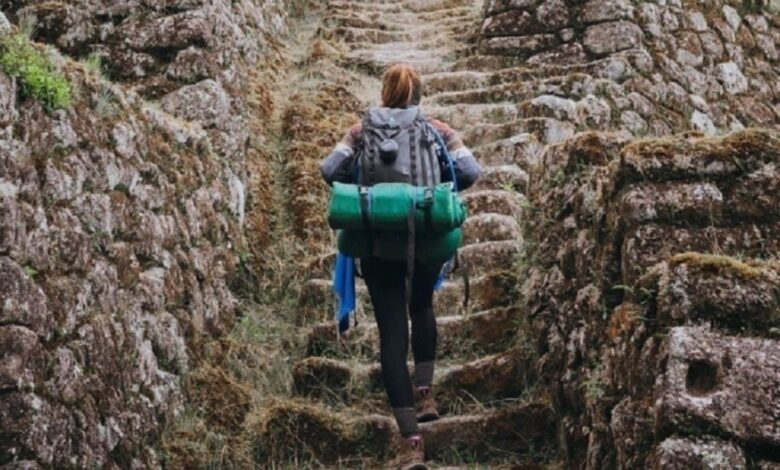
[(398, 146)]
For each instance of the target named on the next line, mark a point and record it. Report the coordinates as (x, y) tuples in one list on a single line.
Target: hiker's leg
[(424, 335), (386, 281)]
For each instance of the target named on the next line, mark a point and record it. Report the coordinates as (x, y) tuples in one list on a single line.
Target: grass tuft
[(37, 76)]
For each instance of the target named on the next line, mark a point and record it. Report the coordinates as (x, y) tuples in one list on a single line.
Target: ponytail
[(401, 87)]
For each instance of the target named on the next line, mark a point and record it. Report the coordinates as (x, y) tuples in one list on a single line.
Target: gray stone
[(552, 15), (732, 17), (702, 122), (205, 102), (697, 21), (607, 38), (597, 11), (728, 383), (557, 107), (697, 453), (8, 111), (510, 23), (5, 25), (732, 78), (632, 122), (22, 302), (593, 113)]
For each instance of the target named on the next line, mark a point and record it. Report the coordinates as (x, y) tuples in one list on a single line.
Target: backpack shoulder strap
[(444, 155)]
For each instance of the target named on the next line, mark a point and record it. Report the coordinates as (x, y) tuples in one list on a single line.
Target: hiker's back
[(397, 145)]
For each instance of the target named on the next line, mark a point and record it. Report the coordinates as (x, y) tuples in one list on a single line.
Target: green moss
[(716, 263), (36, 75)]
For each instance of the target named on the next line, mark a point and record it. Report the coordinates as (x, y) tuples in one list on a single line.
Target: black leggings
[(386, 281)]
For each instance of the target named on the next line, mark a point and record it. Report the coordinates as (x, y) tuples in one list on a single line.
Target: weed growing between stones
[(38, 78)]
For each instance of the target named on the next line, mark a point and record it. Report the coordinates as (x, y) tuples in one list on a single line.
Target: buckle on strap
[(427, 200)]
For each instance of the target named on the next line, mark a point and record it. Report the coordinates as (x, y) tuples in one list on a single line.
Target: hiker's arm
[(339, 166), (467, 170)]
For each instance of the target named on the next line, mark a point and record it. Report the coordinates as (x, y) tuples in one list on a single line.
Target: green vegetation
[(35, 73), (31, 271), (93, 63)]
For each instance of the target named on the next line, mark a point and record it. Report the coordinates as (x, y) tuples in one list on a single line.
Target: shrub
[(36, 75)]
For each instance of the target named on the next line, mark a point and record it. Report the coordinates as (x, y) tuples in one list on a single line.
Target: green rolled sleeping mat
[(429, 246), (385, 206)]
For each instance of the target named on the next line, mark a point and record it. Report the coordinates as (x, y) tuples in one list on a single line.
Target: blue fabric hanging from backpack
[(344, 282), (344, 288)]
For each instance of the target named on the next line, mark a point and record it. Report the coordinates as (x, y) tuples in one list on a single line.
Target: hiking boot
[(427, 409), (411, 454)]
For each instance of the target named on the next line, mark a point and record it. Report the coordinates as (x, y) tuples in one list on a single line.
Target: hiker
[(386, 272)]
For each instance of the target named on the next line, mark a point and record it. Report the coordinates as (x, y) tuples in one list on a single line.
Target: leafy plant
[(31, 271), (37, 76)]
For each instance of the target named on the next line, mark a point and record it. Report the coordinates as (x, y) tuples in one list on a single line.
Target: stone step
[(345, 20), (486, 257), (546, 130), (430, 47), (464, 115), (375, 36), (356, 7), (376, 63), (485, 63), (436, 7), (337, 438), (400, 13), (486, 332), (459, 81), (508, 177), (522, 150), (492, 201), (496, 70), (317, 303), (490, 227), (411, 28), (512, 92), (486, 380)]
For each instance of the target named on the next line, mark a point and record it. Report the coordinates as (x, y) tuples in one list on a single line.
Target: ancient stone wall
[(121, 220), (654, 292), (648, 67), (652, 284)]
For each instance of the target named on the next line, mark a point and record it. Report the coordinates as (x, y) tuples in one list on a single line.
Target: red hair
[(401, 87)]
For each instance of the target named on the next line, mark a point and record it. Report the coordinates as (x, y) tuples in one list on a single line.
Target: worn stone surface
[(613, 222), (649, 210), (118, 224), (721, 383), (677, 453), (117, 234)]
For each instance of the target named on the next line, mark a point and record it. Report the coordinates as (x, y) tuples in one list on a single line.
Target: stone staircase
[(520, 98), (491, 415)]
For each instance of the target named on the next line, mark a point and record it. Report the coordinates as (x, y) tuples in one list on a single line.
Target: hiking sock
[(423, 374), (407, 420)]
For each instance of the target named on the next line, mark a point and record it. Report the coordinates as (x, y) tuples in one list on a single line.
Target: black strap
[(370, 149), (365, 206), (410, 252), (413, 155), (464, 271), (427, 208)]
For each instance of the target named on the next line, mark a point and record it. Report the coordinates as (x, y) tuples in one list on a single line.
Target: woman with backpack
[(396, 143)]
